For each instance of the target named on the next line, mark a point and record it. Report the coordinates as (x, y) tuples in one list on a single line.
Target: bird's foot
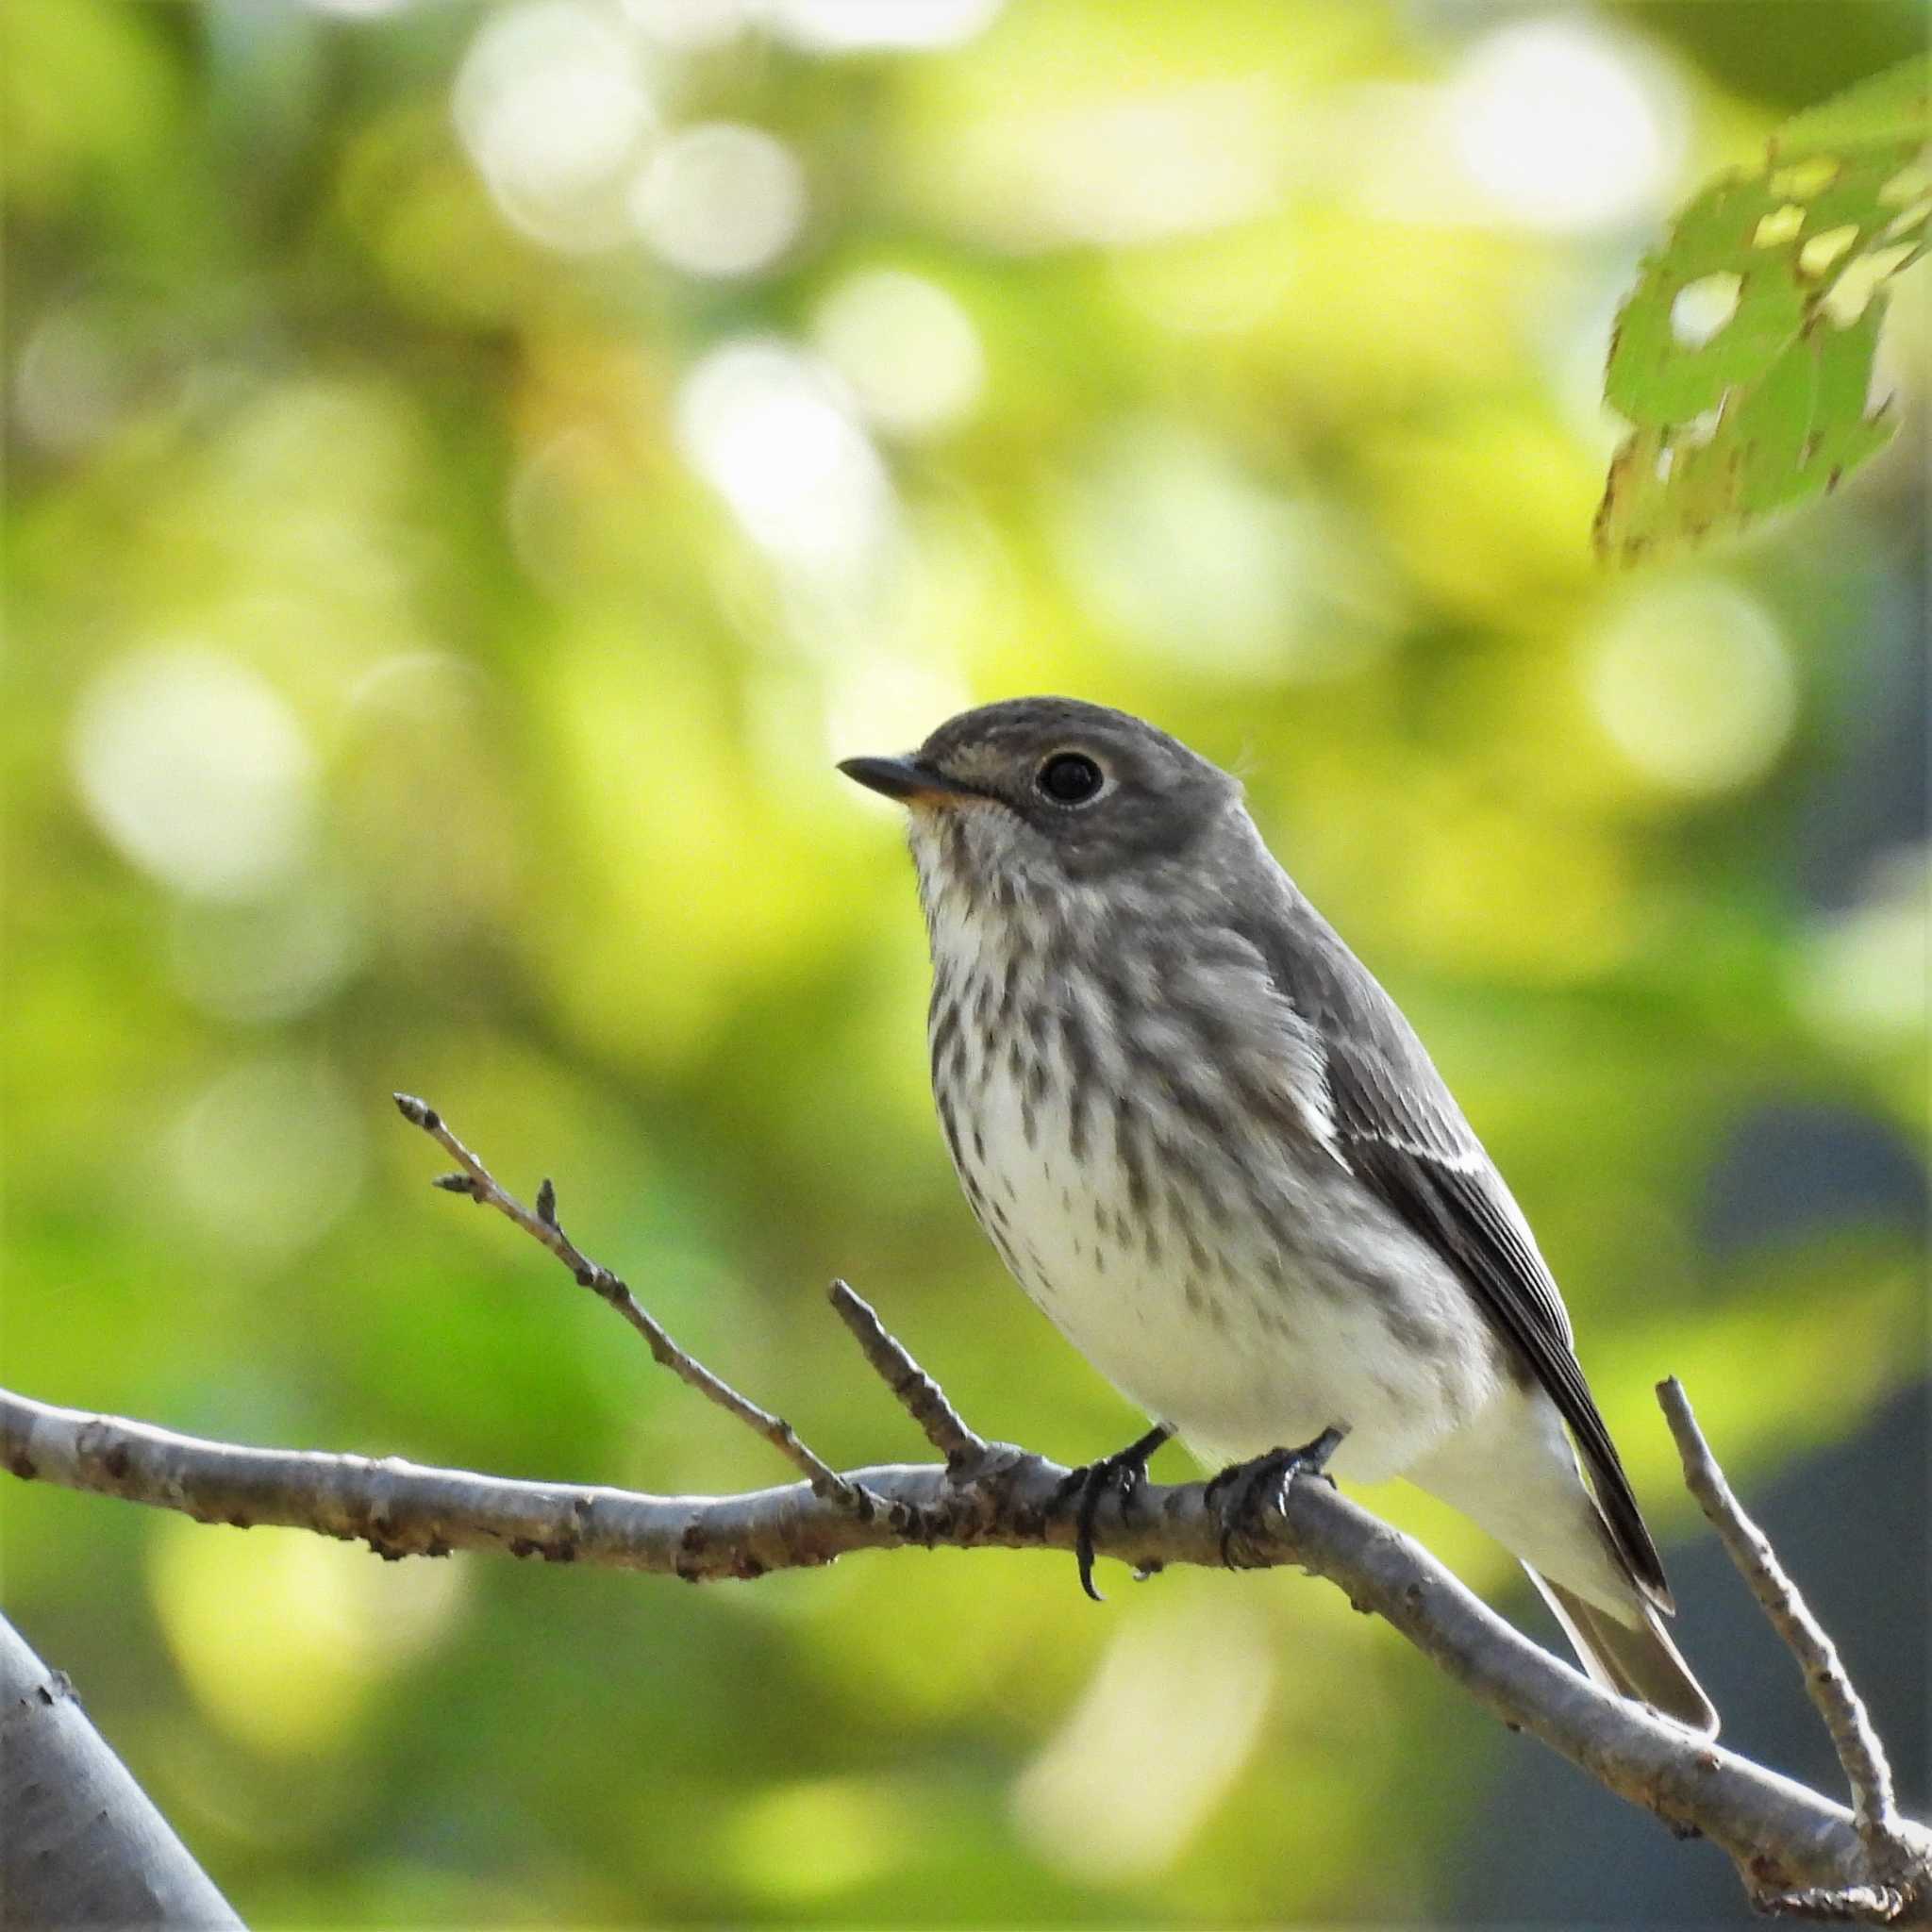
[(1122, 1472), (1239, 1494)]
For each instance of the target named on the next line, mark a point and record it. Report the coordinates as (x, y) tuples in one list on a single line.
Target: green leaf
[(1893, 106), (1744, 358), (1790, 435)]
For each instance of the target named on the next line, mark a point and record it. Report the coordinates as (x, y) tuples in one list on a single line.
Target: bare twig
[(1854, 1737), (921, 1397), (481, 1185), (1788, 1842)]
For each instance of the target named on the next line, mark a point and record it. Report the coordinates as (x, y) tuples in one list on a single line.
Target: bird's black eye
[(1069, 778)]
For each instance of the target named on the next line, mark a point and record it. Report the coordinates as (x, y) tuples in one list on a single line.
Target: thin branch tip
[(1881, 1828), (476, 1180), (917, 1393)]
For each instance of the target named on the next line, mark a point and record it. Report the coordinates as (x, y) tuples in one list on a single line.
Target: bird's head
[(1044, 795)]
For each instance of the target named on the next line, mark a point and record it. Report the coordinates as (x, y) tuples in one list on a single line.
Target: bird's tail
[(1636, 1660)]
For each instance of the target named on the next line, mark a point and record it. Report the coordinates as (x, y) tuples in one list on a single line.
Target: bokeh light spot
[(195, 770), (551, 103), (1694, 685), (1208, 153), (720, 199), (906, 348), (1561, 127), (284, 1636), (769, 428), (1173, 546)]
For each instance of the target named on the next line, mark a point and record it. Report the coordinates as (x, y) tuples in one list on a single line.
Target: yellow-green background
[(436, 596)]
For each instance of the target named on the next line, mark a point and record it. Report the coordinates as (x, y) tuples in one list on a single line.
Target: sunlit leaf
[(1745, 358)]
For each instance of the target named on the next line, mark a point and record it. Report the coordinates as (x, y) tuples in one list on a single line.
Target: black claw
[(1125, 1471), (1250, 1484), (1128, 1478)]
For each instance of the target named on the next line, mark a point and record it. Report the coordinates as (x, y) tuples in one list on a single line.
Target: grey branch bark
[(1785, 1839), (1827, 1683), (1796, 1851), (82, 1844)]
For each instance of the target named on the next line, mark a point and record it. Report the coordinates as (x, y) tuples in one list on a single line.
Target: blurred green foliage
[(471, 473)]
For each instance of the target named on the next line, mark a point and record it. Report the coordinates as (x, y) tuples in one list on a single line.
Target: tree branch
[(921, 1397), (481, 1186), (84, 1844), (1784, 1837), (1796, 1851), (1854, 1737)]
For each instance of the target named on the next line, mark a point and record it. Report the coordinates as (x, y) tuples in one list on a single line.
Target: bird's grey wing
[(1397, 1124)]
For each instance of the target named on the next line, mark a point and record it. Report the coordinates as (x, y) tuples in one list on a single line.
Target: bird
[(1211, 1149)]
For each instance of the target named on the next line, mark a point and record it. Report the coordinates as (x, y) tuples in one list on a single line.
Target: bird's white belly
[(1211, 1322)]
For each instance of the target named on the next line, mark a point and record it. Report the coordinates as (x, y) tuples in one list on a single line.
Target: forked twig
[(476, 1180), (1854, 1737)]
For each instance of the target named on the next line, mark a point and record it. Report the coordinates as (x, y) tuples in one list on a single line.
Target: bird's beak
[(905, 779)]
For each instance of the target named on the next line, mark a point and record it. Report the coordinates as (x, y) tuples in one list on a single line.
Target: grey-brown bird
[(1211, 1149)]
